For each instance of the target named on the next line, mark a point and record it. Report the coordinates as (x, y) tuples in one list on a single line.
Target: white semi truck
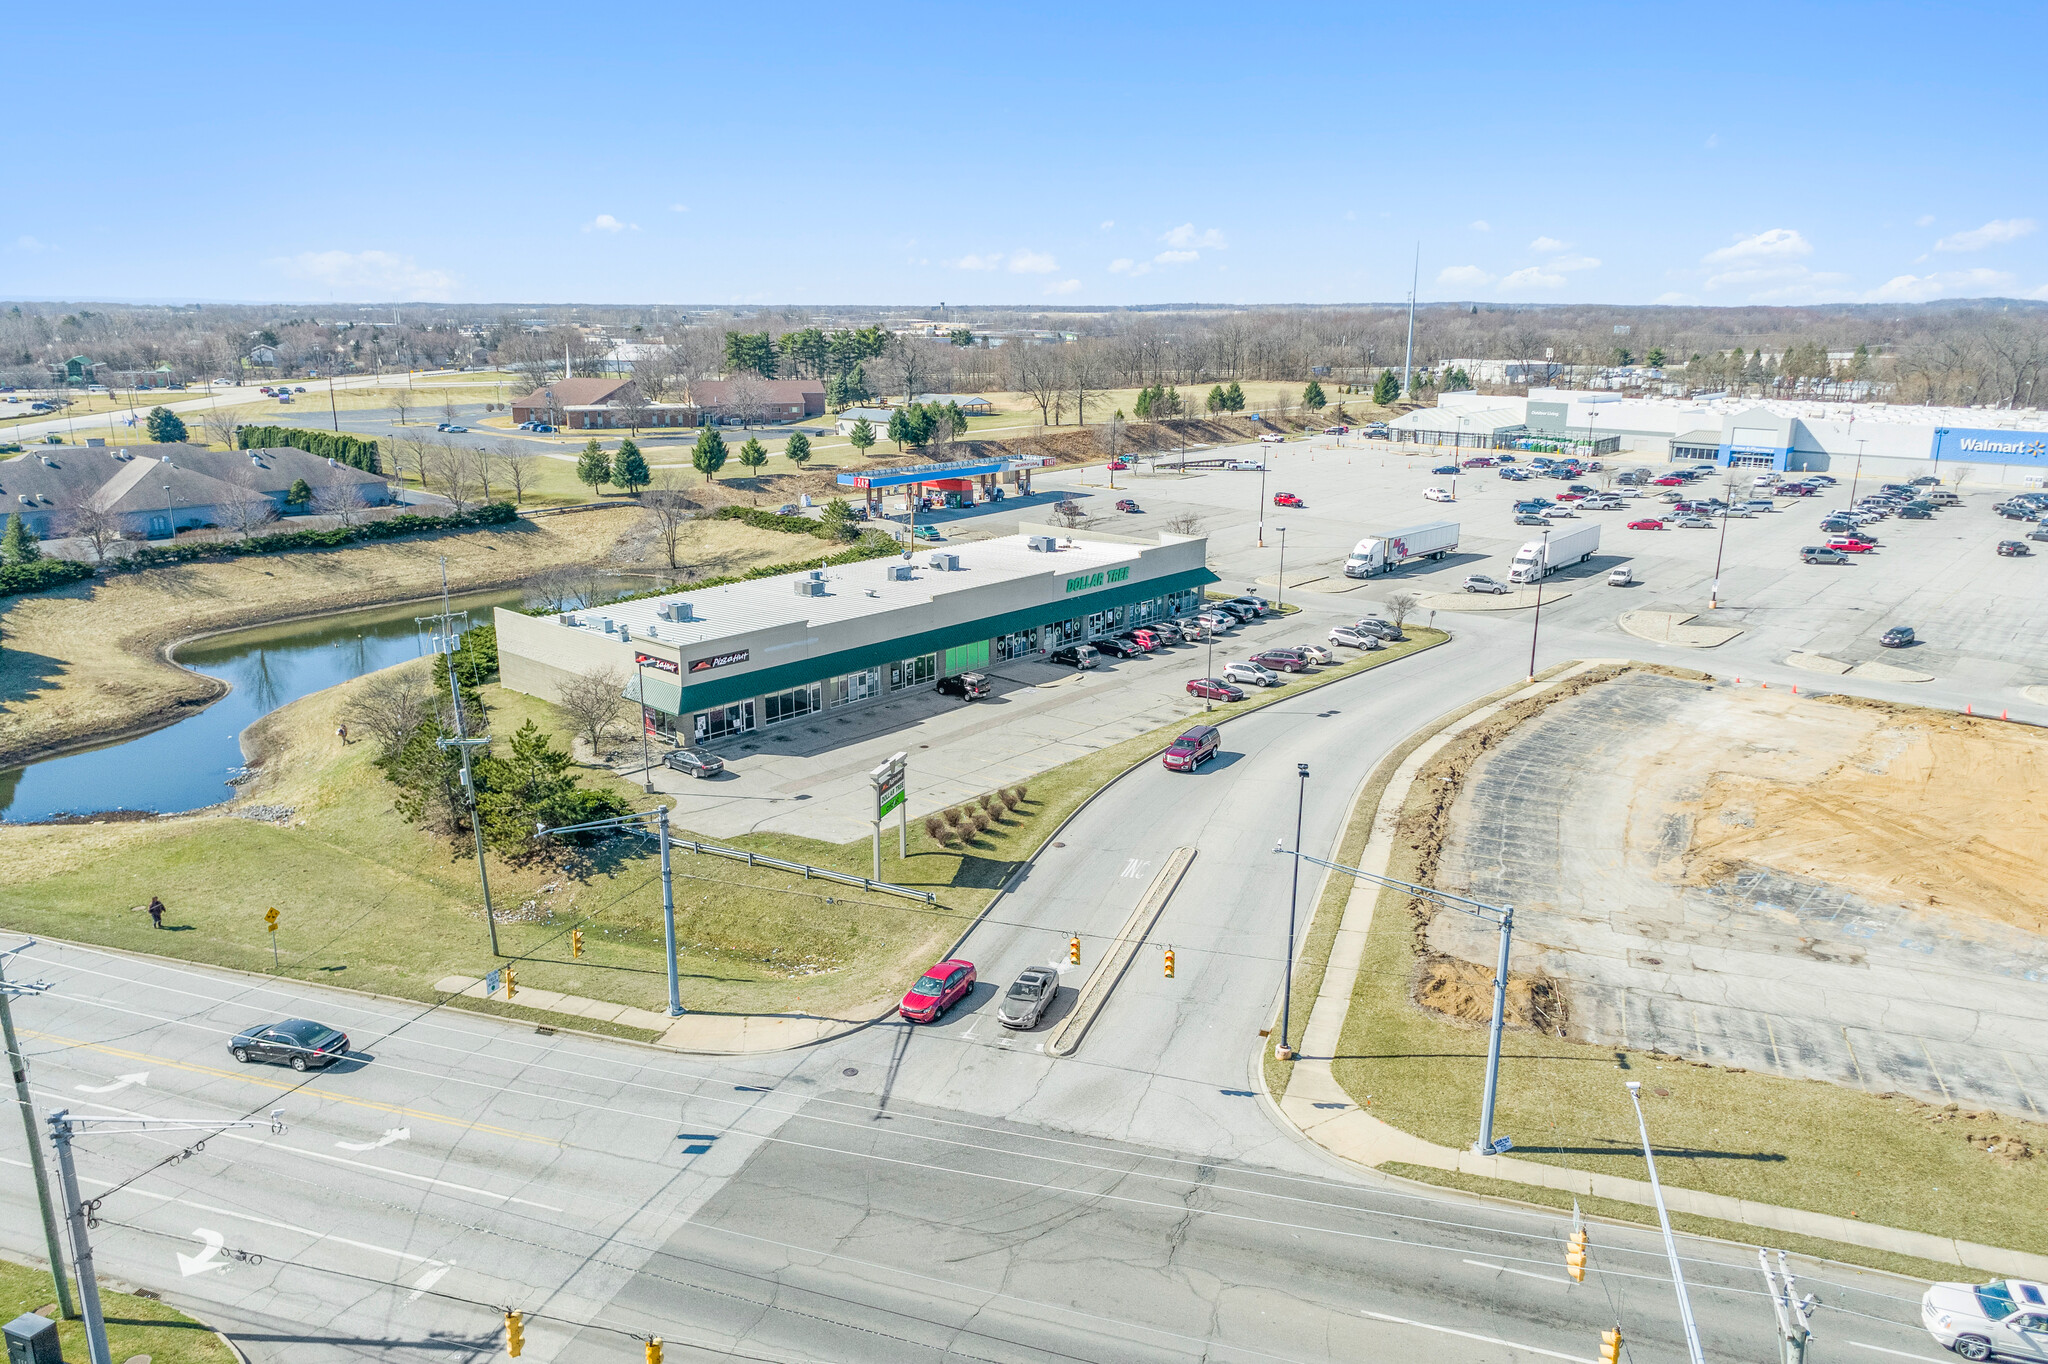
[(1538, 559), (1385, 551)]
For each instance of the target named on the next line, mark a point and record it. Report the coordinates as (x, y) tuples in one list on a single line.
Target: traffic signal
[(511, 983), (654, 1351), (1169, 963), (1575, 1256), (1610, 1346), (515, 1333), (575, 942), (270, 920), (1074, 950)]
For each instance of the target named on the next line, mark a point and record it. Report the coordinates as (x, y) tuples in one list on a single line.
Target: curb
[(1110, 972)]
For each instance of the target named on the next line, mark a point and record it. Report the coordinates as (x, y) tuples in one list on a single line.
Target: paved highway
[(938, 1193)]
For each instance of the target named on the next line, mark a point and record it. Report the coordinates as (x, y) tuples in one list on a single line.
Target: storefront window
[(788, 705), (851, 687), (1018, 645), (908, 672), (722, 721)]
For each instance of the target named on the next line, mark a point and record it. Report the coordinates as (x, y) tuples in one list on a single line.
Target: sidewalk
[(1320, 1109), (705, 1034)]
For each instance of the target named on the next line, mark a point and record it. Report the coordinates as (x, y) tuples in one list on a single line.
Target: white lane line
[(1527, 1274), (317, 1236), (1902, 1354), (1488, 1340)]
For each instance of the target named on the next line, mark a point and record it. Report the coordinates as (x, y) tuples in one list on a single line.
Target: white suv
[(1252, 673)]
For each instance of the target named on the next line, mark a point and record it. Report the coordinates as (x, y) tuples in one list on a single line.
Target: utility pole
[(1692, 1330), (63, 1127), (1280, 591), (1536, 621), (1414, 282), (332, 410), (1795, 1325), (18, 1064), (464, 744), (1714, 597)]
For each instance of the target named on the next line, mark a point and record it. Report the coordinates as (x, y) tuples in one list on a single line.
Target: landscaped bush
[(353, 451), (410, 523), (766, 520), (39, 575)]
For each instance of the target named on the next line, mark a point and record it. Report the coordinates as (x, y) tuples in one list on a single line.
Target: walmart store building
[(727, 660)]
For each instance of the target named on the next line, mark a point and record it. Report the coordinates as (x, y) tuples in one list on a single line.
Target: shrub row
[(794, 525), (963, 822), (39, 575), (353, 451), (410, 523)]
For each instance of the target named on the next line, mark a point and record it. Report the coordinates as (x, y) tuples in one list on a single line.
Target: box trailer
[(1538, 559), (1385, 551)]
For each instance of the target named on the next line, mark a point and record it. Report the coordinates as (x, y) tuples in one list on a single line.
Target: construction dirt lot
[(1806, 885)]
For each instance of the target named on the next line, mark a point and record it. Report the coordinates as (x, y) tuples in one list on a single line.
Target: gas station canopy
[(908, 474)]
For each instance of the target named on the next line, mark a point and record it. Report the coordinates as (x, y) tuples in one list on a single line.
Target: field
[(136, 1327), (84, 663), (372, 903), (1954, 1170)]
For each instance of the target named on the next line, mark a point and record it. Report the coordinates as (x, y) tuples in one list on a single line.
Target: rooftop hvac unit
[(675, 610), (810, 587), (902, 573), (945, 563), (625, 634), (568, 618), (1045, 544), (609, 628)]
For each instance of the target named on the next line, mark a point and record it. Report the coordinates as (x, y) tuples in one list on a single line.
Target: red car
[(1569, 497), (1650, 524), (937, 990), (1668, 481), (1117, 466), (1848, 546), (1214, 689), (1286, 500), (1482, 462)]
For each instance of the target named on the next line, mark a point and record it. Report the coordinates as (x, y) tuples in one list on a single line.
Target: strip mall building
[(721, 661)]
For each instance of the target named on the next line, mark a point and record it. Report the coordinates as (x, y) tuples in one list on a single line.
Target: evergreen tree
[(709, 453), (750, 351), (1233, 398), (1215, 401), (798, 449), (301, 493), (862, 436), (1169, 406), (1387, 390), (1312, 397), (18, 543), (1859, 363), (900, 429), (857, 385), (835, 393), (593, 466), (1143, 406), (1655, 358), (165, 426), (752, 453), (629, 469)]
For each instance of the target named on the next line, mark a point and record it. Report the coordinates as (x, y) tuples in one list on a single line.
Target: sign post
[(888, 784)]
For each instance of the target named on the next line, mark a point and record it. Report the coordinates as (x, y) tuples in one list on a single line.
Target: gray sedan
[(1028, 997)]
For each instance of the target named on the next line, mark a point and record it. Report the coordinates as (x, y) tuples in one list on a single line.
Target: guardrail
[(754, 859)]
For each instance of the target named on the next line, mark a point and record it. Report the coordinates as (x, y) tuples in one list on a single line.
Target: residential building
[(877, 419), (750, 399), (548, 402), (159, 489)]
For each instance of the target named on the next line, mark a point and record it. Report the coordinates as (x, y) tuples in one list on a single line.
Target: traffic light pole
[(1795, 1325), (1503, 918), (18, 1064), (638, 823), (1692, 1330)]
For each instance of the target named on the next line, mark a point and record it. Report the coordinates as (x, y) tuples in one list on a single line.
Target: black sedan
[(297, 1042), (2013, 549), (1445, 469), (1898, 637), (695, 761), (1117, 648)]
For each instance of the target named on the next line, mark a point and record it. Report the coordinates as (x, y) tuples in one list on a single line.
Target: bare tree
[(516, 466), (247, 509), (448, 470), (1183, 523), (1401, 605), (593, 702), (483, 461), (97, 524), (342, 501), (402, 401), (1037, 373), (632, 405), (1083, 376), (414, 451), (746, 397), (391, 706), (219, 424), (668, 510), (448, 413)]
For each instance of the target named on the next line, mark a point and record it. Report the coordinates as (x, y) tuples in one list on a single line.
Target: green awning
[(667, 693)]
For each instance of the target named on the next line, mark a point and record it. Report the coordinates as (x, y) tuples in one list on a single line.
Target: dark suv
[(966, 686)]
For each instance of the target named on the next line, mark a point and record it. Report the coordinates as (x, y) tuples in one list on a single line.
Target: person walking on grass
[(156, 912)]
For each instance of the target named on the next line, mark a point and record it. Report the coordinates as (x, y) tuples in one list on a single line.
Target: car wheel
[(1972, 1347), (242, 1055), (298, 1063)]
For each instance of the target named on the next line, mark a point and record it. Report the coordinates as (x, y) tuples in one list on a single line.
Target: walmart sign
[(1082, 582), (1990, 447)]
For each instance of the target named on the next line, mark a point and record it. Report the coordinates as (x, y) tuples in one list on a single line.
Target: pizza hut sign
[(660, 665), (705, 665)]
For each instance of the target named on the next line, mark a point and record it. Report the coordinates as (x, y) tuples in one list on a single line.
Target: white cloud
[(1107, 223), (1464, 274), (605, 222), (1186, 236), (991, 261), (1032, 263), (1920, 288), (1567, 264), (1993, 233), (1482, 225), (1924, 220), (1176, 257), (369, 275), (1534, 277), (1065, 286), (679, 208), (1124, 265), (1780, 243), (1546, 244), (28, 243)]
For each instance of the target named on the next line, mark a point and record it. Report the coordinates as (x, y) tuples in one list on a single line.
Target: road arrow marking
[(140, 1077), (188, 1265), (391, 1134), (426, 1281)]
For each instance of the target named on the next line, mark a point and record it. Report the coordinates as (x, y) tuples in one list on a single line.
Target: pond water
[(187, 765)]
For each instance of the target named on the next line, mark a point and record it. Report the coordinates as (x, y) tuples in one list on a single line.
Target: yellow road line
[(283, 1087)]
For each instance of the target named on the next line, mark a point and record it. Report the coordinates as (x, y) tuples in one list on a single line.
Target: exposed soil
[(1464, 990)]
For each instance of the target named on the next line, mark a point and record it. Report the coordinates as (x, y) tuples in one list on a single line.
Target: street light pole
[(1692, 1330), (1281, 1050), (18, 1065), (1262, 501), (1857, 476), (1714, 599), (1280, 591), (1536, 621)]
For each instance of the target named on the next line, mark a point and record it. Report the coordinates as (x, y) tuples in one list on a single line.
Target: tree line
[(354, 451)]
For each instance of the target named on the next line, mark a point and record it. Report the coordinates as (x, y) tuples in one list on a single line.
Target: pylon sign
[(888, 781)]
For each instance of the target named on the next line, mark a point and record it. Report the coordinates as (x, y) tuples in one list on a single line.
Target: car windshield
[(1025, 989), (927, 985), (305, 1033), (1181, 746), (1995, 1300)]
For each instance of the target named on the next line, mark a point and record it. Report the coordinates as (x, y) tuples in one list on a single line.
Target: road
[(899, 1194)]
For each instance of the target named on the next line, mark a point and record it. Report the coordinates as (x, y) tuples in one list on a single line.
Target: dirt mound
[(1464, 990), (1899, 804)]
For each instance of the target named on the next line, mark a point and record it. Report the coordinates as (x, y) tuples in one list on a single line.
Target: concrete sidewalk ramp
[(1670, 627), (1118, 960), (1818, 663)]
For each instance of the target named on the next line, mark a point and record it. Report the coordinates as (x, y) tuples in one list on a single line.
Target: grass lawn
[(1796, 1143), (135, 1326), (369, 902)]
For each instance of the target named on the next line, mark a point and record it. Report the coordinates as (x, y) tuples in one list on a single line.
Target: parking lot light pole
[(1262, 502), (1536, 621), (1281, 1050), (1280, 592)]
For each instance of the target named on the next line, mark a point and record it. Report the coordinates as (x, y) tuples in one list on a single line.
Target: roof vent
[(945, 563), (50, 462), (625, 634), (1045, 544), (810, 587), (25, 497), (567, 618), (901, 573), (334, 464)]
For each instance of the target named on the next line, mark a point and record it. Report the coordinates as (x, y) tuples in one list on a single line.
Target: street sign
[(270, 920), (888, 781), (492, 981)]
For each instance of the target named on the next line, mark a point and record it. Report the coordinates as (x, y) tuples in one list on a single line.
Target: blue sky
[(1030, 155)]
